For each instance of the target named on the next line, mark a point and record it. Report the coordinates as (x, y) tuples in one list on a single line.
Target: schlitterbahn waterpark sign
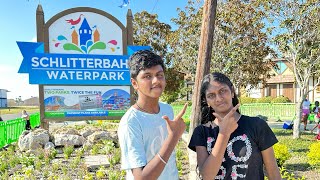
[(45, 68), (81, 64)]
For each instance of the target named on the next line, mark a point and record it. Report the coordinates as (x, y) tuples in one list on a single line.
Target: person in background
[(305, 112), (318, 133), (26, 117), (1, 118), (316, 115)]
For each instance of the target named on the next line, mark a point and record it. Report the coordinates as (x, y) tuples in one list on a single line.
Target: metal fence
[(282, 111), (10, 130), (271, 110)]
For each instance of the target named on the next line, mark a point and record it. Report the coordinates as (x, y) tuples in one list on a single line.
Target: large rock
[(100, 135), (88, 131), (66, 131), (24, 141), (49, 146), (33, 140), (114, 135), (68, 139)]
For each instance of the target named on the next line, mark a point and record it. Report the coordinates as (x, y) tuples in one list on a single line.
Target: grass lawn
[(298, 148), (18, 109)]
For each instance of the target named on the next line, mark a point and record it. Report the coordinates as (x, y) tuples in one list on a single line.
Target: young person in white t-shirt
[(148, 132), (305, 112)]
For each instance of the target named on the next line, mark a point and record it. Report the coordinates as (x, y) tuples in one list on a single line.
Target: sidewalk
[(278, 125), (6, 117)]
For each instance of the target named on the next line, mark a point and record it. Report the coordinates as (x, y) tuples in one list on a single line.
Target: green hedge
[(267, 99), (247, 100), (280, 99)]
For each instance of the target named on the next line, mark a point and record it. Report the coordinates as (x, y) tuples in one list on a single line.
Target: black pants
[(28, 125)]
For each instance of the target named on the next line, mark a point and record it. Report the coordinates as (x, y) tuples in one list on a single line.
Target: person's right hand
[(229, 123), (176, 127)]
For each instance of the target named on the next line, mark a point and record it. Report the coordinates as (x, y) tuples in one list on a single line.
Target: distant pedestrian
[(316, 112), (305, 112), (26, 117), (318, 133)]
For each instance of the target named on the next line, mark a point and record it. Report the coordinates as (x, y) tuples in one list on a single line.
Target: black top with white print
[(242, 159)]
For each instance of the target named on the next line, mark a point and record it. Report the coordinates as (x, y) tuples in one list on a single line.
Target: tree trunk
[(204, 58), (296, 126), (203, 68)]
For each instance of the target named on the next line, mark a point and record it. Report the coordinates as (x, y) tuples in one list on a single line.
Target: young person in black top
[(230, 145)]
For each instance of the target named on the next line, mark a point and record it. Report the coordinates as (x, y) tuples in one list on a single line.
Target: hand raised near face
[(176, 127), (229, 123)]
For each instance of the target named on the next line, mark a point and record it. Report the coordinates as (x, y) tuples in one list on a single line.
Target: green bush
[(280, 99), (67, 151), (281, 153), (247, 100), (266, 99), (314, 154), (287, 175), (169, 97)]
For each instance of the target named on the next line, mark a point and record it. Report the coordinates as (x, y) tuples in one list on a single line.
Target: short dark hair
[(142, 60), (206, 112)]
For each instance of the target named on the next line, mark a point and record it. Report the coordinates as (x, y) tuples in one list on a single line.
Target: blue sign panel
[(46, 68)]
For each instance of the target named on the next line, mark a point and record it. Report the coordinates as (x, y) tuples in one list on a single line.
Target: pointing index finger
[(181, 113), (233, 110)]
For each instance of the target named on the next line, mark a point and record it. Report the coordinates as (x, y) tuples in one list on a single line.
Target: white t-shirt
[(306, 104), (141, 136)]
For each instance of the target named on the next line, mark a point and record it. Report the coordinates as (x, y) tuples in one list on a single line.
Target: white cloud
[(17, 84)]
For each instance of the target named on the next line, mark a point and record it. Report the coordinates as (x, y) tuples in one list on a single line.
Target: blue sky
[(18, 24)]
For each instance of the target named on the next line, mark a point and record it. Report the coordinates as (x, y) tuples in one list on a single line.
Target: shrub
[(101, 173), (169, 97), (280, 99), (95, 149), (281, 153), (116, 175), (67, 151), (266, 99), (247, 100), (287, 175), (314, 154)]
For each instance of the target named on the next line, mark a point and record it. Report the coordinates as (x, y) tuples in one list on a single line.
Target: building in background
[(3, 98), (282, 83)]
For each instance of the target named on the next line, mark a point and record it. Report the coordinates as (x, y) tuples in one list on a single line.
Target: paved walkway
[(278, 125), (6, 117)]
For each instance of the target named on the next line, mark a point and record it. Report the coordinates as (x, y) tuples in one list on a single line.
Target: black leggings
[(28, 125)]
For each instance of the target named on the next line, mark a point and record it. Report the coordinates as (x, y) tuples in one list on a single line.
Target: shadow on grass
[(298, 166), (281, 132), (300, 150)]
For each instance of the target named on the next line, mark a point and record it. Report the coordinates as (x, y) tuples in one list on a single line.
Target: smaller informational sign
[(85, 101)]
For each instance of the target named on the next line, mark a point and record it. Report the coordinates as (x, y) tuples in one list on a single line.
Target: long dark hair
[(206, 111)]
